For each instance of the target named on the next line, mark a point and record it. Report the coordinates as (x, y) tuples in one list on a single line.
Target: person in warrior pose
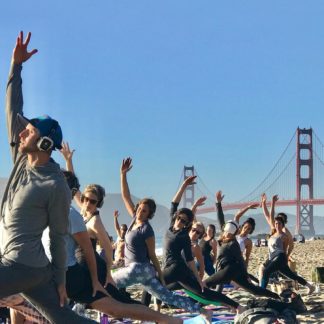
[(141, 264), (229, 262), (278, 245), (36, 197), (182, 271)]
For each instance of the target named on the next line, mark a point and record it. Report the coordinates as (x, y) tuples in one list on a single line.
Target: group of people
[(48, 248)]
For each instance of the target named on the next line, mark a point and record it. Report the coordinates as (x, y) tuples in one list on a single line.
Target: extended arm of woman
[(189, 181), (265, 210), (200, 259), (199, 202), (83, 240), (68, 157), (150, 244), (248, 250), (242, 211), (116, 223), (102, 236), (220, 214), (125, 167), (274, 199)]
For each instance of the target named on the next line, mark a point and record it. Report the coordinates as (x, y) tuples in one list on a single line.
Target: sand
[(307, 256)]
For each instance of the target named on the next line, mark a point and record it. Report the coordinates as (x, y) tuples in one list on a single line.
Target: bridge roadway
[(239, 205)]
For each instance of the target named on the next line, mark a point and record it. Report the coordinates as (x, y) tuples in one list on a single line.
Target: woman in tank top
[(179, 269), (209, 249), (277, 260)]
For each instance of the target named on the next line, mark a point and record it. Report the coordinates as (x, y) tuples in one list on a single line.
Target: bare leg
[(116, 309)]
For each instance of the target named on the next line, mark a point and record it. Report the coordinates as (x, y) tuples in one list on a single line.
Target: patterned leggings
[(144, 274)]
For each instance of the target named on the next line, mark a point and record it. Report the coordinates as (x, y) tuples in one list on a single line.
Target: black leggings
[(279, 263), (120, 295), (232, 272), (180, 276)]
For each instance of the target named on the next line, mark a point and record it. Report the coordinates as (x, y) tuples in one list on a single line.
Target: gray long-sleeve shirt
[(35, 197)]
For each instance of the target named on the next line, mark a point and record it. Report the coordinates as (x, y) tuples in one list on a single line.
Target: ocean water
[(158, 245)]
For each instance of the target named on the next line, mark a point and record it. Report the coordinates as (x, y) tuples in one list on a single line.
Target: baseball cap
[(46, 126), (231, 227)]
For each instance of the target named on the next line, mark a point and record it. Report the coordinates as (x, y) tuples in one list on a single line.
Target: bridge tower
[(304, 184), (189, 194)]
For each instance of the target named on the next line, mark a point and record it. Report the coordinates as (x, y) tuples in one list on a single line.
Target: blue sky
[(221, 85)]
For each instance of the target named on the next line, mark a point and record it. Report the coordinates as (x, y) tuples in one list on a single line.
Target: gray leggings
[(37, 286), (144, 274)]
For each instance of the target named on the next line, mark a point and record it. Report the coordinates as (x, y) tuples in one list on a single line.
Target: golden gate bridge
[(297, 177)]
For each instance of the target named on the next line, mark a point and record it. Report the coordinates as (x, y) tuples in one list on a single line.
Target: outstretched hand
[(126, 165), (219, 196), (263, 199), (66, 152), (254, 206), (190, 180), (116, 213), (20, 53), (275, 198), (200, 201), (97, 287)]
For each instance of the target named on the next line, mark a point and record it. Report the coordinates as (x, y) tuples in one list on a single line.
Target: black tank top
[(205, 247)]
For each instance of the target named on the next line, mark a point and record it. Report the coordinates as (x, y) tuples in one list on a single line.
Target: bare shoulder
[(287, 232)]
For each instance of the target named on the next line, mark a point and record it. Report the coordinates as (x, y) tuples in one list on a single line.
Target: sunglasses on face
[(195, 230), (91, 201), (182, 220)]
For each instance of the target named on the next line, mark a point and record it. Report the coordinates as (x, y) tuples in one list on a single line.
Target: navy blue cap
[(46, 126)]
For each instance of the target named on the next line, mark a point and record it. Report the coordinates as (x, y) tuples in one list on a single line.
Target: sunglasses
[(182, 220), (196, 231), (91, 201)]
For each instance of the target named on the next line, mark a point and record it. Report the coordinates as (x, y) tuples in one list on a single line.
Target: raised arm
[(199, 202), (274, 199), (220, 215), (67, 154), (14, 96), (125, 167), (265, 209), (116, 223), (102, 236), (241, 212), (187, 182)]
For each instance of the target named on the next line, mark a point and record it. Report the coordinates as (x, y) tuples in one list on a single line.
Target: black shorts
[(79, 285)]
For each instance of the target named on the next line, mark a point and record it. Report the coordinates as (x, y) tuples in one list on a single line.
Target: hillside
[(160, 221)]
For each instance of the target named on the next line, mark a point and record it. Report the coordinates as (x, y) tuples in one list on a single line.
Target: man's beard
[(28, 149)]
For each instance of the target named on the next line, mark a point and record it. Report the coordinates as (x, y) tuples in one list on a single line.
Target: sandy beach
[(307, 256)]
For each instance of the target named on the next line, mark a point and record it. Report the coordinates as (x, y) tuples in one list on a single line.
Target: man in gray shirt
[(36, 197)]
